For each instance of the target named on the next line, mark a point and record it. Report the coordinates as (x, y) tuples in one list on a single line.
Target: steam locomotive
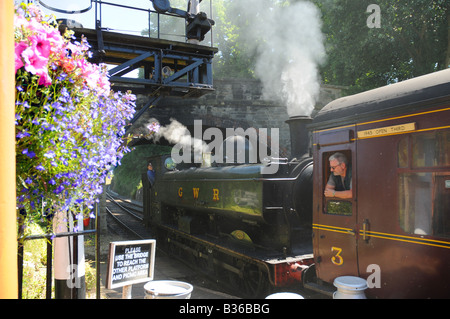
[(267, 232)]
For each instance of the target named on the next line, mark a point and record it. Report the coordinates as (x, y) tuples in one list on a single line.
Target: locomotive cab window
[(169, 164), (338, 183), (424, 184)]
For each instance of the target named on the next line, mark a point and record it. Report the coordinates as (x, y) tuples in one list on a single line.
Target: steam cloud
[(288, 44), (177, 134)]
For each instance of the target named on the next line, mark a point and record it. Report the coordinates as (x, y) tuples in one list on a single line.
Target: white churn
[(349, 287), (284, 295), (167, 289)]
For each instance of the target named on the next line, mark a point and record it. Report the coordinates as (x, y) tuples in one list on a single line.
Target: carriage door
[(335, 218)]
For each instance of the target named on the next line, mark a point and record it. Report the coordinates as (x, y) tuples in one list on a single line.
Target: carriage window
[(170, 164), (403, 153), (415, 203), (424, 203), (424, 193), (337, 205), (431, 149), (441, 219)]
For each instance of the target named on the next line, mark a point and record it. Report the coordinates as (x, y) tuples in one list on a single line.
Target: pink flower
[(34, 62), (35, 57), (20, 21), (41, 44), (44, 78), (55, 38), (19, 47), (94, 76)]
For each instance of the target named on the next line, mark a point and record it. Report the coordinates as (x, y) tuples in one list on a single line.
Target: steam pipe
[(299, 135)]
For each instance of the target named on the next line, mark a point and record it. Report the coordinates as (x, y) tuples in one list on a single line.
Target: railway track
[(125, 219)]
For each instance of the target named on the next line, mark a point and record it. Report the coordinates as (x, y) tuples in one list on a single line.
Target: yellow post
[(8, 233)]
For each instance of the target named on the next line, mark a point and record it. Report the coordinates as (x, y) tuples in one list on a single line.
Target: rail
[(123, 225), (129, 212)]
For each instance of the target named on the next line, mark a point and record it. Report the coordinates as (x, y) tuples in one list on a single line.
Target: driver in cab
[(339, 184)]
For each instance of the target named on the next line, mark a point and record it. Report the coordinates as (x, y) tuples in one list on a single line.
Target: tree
[(232, 59), (413, 39)]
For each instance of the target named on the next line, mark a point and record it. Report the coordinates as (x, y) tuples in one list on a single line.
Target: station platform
[(166, 268)]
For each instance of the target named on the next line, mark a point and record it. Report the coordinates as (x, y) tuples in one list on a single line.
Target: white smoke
[(178, 134), (174, 133), (288, 44)]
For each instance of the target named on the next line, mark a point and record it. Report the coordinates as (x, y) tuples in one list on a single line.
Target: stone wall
[(235, 103)]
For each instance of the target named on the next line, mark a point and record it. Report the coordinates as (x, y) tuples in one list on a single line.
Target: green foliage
[(127, 176), (413, 40), (35, 268)]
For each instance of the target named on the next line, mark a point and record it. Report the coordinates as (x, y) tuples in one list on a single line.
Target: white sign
[(130, 262)]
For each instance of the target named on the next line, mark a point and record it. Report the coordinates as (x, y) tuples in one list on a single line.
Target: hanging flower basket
[(70, 125)]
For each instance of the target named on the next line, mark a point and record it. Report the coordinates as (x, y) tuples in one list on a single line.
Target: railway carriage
[(281, 230), (395, 230)]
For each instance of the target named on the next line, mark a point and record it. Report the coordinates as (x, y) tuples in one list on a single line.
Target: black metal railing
[(154, 27), (49, 255)]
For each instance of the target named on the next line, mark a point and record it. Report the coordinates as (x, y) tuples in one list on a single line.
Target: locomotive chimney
[(299, 135)]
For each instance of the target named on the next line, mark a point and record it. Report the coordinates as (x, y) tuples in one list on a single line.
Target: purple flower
[(23, 134), (62, 77), (50, 154), (28, 153), (59, 189)]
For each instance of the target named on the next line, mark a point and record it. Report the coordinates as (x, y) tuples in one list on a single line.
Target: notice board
[(130, 262)]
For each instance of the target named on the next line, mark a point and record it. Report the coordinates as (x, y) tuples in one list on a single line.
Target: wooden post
[(8, 231)]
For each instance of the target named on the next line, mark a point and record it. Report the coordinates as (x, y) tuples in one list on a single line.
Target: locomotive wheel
[(255, 281), (202, 263)]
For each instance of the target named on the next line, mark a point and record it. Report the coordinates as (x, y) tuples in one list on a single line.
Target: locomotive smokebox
[(299, 135)]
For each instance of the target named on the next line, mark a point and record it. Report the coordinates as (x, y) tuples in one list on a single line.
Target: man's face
[(337, 168)]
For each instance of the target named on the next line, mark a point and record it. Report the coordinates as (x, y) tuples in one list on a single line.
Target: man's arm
[(330, 192)]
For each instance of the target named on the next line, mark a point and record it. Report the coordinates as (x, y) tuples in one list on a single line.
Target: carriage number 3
[(337, 258)]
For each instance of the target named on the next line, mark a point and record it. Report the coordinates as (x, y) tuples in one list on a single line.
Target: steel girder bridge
[(167, 68)]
